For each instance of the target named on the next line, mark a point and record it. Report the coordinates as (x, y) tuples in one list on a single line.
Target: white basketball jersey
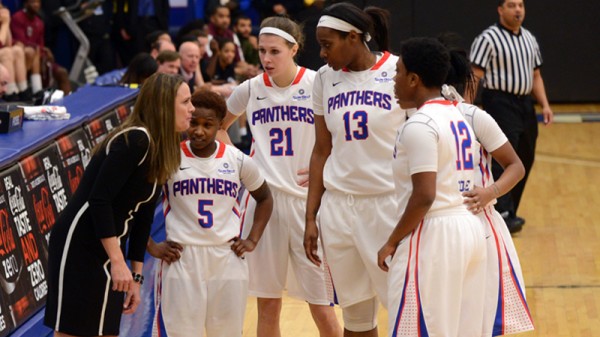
[(200, 199), (362, 115), (436, 139), (488, 134), (282, 125)]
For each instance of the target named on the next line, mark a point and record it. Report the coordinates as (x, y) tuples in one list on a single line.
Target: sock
[(36, 82), (11, 88), (22, 86)]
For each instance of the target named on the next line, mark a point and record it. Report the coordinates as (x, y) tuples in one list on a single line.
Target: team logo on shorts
[(384, 78), (301, 96), (225, 169)]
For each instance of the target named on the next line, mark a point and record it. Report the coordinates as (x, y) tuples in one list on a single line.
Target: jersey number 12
[(462, 137)]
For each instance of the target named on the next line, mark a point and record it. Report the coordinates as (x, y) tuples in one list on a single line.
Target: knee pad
[(361, 316)]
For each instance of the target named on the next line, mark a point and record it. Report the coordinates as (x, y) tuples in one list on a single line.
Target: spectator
[(27, 29), (13, 58), (97, 27), (141, 67), (169, 62), (190, 64), (161, 45), (4, 78), (218, 27), (249, 42), (155, 36), (134, 20), (221, 67)]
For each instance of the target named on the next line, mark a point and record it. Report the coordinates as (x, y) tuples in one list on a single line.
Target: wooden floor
[(559, 246)]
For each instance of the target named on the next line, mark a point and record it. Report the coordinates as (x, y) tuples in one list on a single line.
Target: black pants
[(516, 117)]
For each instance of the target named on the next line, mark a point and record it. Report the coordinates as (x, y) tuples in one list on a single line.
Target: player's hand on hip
[(133, 299), (385, 251), (311, 237), (121, 276), (168, 251), (477, 198)]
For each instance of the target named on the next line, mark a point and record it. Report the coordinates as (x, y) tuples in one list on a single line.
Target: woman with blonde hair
[(279, 108), (90, 285)]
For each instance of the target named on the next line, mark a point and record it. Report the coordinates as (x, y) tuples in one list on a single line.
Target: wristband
[(138, 278)]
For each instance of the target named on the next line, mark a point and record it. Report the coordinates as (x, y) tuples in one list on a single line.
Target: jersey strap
[(381, 61), (221, 150), (186, 150), (378, 64), (297, 79), (438, 101), (267, 80)]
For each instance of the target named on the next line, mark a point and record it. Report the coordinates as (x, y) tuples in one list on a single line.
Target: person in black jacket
[(134, 20), (90, 285)]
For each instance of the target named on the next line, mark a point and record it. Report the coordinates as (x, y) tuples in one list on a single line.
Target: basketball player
[(205, 290), (278, 105), (506, 310), (437, 275), (356, 119)]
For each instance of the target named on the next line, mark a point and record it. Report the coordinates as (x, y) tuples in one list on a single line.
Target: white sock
[(11, 88), (36, 82), (22, 86)]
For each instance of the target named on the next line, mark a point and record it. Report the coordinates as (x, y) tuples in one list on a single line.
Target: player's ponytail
[(460, 75), (380, 18)]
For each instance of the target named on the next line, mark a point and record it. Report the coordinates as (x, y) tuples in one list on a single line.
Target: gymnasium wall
[(568, 33)]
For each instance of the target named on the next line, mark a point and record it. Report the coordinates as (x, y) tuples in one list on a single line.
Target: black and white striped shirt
[(508, 59)]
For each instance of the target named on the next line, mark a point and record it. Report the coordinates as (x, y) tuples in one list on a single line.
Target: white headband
[(341, 25), (278, 32)]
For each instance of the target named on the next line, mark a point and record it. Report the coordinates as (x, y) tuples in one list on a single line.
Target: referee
[(508, 59)]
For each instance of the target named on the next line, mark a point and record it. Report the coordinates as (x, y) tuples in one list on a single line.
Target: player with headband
[(351, 185), (278, 105)]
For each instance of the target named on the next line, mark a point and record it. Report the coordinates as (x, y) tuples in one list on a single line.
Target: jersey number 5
[(281, 142), (462, 137), (361, 131), (205, 216)]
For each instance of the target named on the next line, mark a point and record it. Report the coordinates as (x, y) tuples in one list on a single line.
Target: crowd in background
[(131, 39)]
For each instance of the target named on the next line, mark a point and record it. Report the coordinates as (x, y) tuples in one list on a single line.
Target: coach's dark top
[(508, 59), (114, 198)]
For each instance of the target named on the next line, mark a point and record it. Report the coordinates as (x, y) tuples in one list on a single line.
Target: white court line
[(567, 161)]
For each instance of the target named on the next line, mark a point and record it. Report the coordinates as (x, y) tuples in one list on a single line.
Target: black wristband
[(138, 278)]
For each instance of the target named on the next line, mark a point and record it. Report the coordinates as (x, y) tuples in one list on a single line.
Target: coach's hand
[(120, 276), (311, 237), (133, 299)]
